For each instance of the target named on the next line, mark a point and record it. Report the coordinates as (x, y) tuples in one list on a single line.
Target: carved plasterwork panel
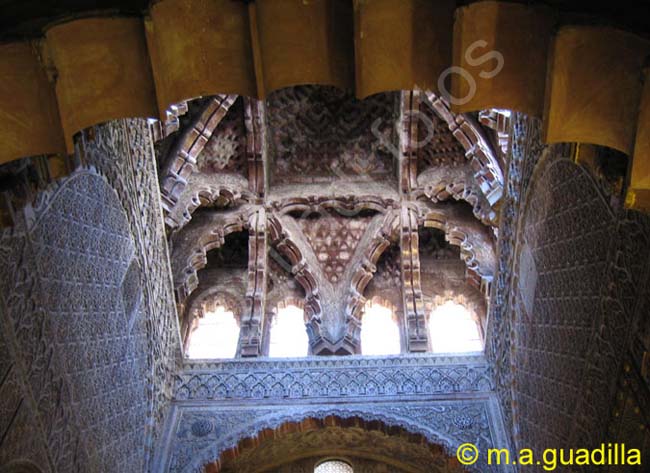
[(201, 435), (319, 133), (525, 151), (86, 343), (415, 376), (586, 263), (93, 295), (225, 150), (123, 152), (395, 450), (334, 239)]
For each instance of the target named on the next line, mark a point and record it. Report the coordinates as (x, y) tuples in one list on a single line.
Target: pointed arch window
[(216, 335), (379, 331), (288, 335), (452, 329)]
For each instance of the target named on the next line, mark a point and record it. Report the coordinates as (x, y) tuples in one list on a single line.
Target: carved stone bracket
[(499, 121), (251, 322), (162, 128), (416, 331)]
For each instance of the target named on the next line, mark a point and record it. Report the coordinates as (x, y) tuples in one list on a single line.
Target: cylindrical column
[(500, 54), (594, 87), (28, 108), (401, 44), (200, 48), (103, 71), (305, 42)]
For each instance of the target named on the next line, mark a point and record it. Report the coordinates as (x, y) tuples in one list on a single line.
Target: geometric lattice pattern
[(85, 250), (334, 239), (568, 229), (321, 132)]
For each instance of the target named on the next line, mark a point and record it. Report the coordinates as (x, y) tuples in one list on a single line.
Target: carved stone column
[(250, 337), (414, 316)]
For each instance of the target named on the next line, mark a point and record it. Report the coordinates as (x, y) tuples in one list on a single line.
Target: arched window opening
[(452, 329), (216, 335), (333, 466), (379, 331), (288, 335)]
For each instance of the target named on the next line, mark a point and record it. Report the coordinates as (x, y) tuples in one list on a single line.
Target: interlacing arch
[(183, 163), (205, 232), (473, 238), (281, 240), (207, 300), (213, 458), (367, 266), (479, 151)]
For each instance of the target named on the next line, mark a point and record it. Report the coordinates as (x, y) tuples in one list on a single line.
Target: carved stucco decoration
[(444, 155), (475, 241), (204, 233), (319, 133), (450, 401), (123, 151), (526, 149), (333, 377), (587, 262), (200, 436), (87, 343), (329, 438), (182, 162), (334, 324)]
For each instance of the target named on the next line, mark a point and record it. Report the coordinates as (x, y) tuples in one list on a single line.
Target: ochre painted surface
[(200, 48), (594, 87), (401, 45), (103, 70), (28, 109), (639, 187), (306, 42), (518, 33)]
